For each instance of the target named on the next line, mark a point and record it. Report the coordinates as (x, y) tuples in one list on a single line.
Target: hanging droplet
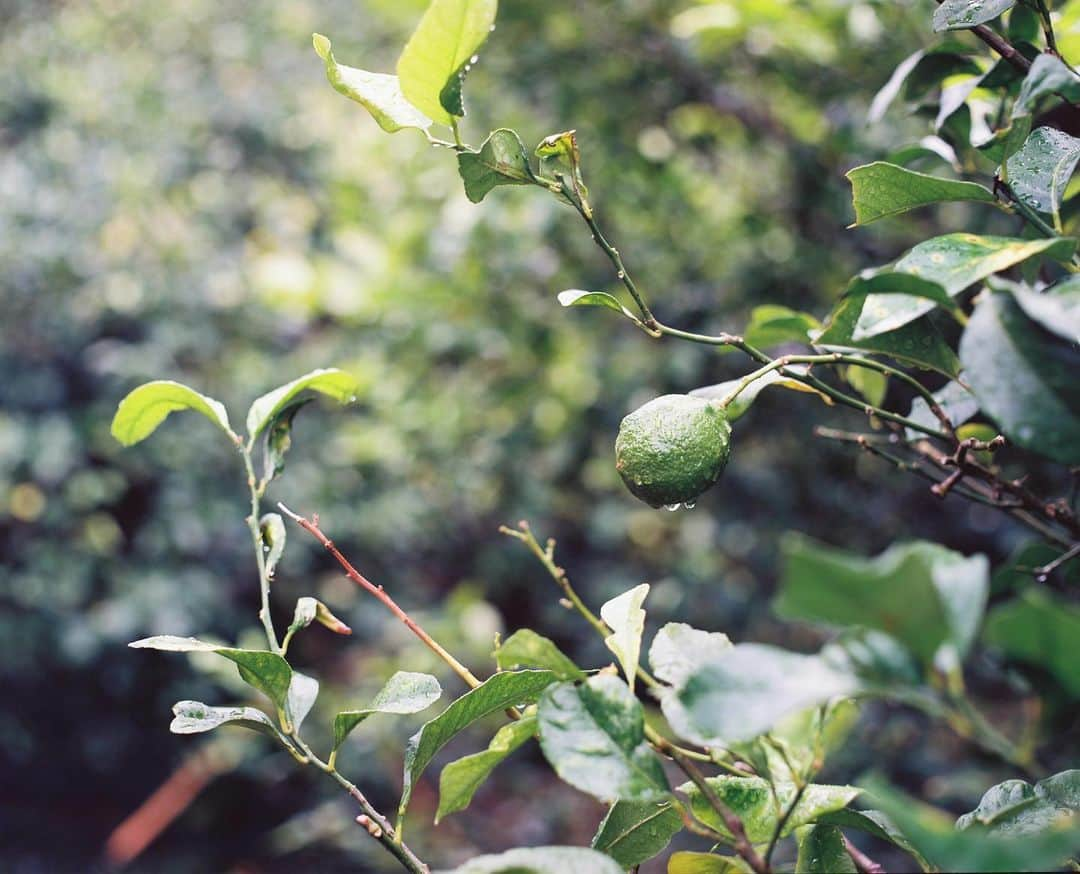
[(689, 505), (671, 508), (474, 59)]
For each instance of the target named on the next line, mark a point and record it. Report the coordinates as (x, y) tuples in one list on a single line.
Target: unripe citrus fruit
[(672, 449)]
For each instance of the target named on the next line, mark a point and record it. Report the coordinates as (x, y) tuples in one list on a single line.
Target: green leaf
[(1048, 75), (1042, 168), (266, 671), (500, 161), (889, 298), (822, 851), (593, 735), (441, 49), (771, 325), (1015, 808), (678, 650), (143, 409), (498, 692), (460, 779), (880, 189), (574, 297), (958, 403), (975, 848), (333, 383), (1042, 630), (279, 439), (1005, 142), (751, 799), (626, 619), (194, 717), (871, 384), (541, 860), (1024, 378), (272, 530), (1057, 309), (685, 862), (303, 690), (875, 823), (961, 14), (379, 93), (527, 649), (405, 692), (633, 832), (744, 400), (748, 690), (921, 593)]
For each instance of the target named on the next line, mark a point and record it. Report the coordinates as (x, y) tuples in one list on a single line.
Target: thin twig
[(779, 830), (1041, 573), (863, 863)]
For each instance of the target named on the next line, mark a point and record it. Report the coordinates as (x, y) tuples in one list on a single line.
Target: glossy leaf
[(685, 862), (751, 799), (1024, 378), (498, 692), (272, 529), (881, 189), (633, 832), (527, 649), (440, 50), (1039, 629), (333, 383), (822, 851), (303, 690), (1016, 809), (379, 93), (678, 650), (500, 161), (921, 593), (460, 779), (960, 14), (574, 297), (265, 671), (744, 400), (975, 848), (888, 297), (405, 692), (1040, 171), (593, 735), (1048, 76), (541, 860), (626, 619), (144, 408), (1057, 309), (771, 325), (748, 690), (194, 717)]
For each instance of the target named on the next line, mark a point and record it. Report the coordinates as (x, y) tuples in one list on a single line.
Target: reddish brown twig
[(863, 863)]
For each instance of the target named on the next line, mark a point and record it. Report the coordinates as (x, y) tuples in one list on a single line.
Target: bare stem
[(260, 557)]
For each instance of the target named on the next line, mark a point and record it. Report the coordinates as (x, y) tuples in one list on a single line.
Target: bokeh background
[(183, 196)]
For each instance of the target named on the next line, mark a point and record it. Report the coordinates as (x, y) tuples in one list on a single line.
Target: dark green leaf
[(405, 692), (527, 649), (337, 384), (751, 799), (822, 851), (593, 735), (1040, 629), (626, 619), (303, 690), (498, 692), (678, 650), (771, 325), (1042, 168), (880, 189), (921, 593), (541, 860), (1057, 308), (500, 161), (960, 14), (144, 408), (635, 831), (194, 717), (745, 692), (440, 50), (1024, 378), (279, 439), (378, 93), (1048, 75), (875, 823), (1005, 142), (459, 780)]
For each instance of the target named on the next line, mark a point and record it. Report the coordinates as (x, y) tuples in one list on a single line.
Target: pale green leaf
[(405, 692), (881, 189), (440, 50), (379, 93), (685, 862), (194, 717), (633, 832), (333, 383), (1048, 76), (460, 779), (771, 325), (527, 649), (737, 406), (303, 690), (626, 619), (961, 14), (541, 860), (678, 650), (575, 297), (272, 530), (144, 408)]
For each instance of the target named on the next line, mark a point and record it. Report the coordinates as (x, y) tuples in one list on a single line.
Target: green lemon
[(672, 449)]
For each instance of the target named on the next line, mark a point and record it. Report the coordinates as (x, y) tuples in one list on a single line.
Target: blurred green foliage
[(182, 196)]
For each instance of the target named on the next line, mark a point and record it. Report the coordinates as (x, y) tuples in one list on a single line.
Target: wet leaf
[(822, 851), (1048, 76), (960, 14), (881, 189), (633, 832), (1017, 809), (1040, 171)]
